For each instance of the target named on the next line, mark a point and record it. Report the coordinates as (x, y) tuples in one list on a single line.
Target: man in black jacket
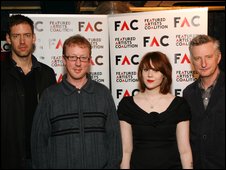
[(23, 79), (206, 97)]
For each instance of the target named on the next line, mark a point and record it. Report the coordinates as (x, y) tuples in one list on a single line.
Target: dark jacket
[(76, 129), (12, 110), (207, 126)]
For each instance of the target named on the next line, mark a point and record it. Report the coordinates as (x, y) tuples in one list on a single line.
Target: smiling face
[(152, 78), (22, 40), (77, 70), (155, 71)]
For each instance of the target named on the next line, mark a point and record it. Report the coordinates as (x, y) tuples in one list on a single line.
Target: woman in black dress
[(154, 123)]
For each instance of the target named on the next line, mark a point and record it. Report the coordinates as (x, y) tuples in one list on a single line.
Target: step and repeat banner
[(133, 35), (119, 41), (52, 30)]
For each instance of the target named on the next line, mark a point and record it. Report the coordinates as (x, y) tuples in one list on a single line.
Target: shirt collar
[(35, 63), (68, 88), (211, 86)]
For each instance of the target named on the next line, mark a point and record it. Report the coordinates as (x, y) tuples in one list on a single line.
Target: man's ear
[(7, 37)]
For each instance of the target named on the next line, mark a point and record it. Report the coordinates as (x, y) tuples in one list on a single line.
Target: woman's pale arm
[(127, 144), (184, 146)]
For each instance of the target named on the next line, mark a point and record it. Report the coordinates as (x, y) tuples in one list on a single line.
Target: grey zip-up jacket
[(76, 129)]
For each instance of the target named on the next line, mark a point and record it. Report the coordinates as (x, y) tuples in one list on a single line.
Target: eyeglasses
[(75, 58)]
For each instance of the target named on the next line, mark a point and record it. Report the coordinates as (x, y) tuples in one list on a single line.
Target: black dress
[(154, 134)]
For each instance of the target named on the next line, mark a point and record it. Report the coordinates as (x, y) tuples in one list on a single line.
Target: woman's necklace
[(151, 106)]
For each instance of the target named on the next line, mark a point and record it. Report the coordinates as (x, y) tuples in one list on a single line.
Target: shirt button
[(204, 137)]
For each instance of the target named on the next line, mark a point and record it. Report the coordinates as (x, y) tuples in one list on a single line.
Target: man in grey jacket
[(75, 124)]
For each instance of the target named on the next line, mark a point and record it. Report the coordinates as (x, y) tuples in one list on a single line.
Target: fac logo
[(126, 26), (59, 79), (97, 60), (153, 41), (182, 59), (184, 22), (124, 60), (83, 26), (178, 92), (123, 93), (5, 47), (55, 43), (38, 26)]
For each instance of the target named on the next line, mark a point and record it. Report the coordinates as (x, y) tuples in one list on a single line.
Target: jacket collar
[(10, 63), (219, 80), (68, 88), (35, 63)]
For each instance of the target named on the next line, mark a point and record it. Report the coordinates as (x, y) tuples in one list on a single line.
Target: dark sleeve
[(184, 112), (113, 134), (40, 134), (45, 78), (50, 75), (124, 110)]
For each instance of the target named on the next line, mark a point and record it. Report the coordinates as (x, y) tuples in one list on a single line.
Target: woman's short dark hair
[(161, 63)]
